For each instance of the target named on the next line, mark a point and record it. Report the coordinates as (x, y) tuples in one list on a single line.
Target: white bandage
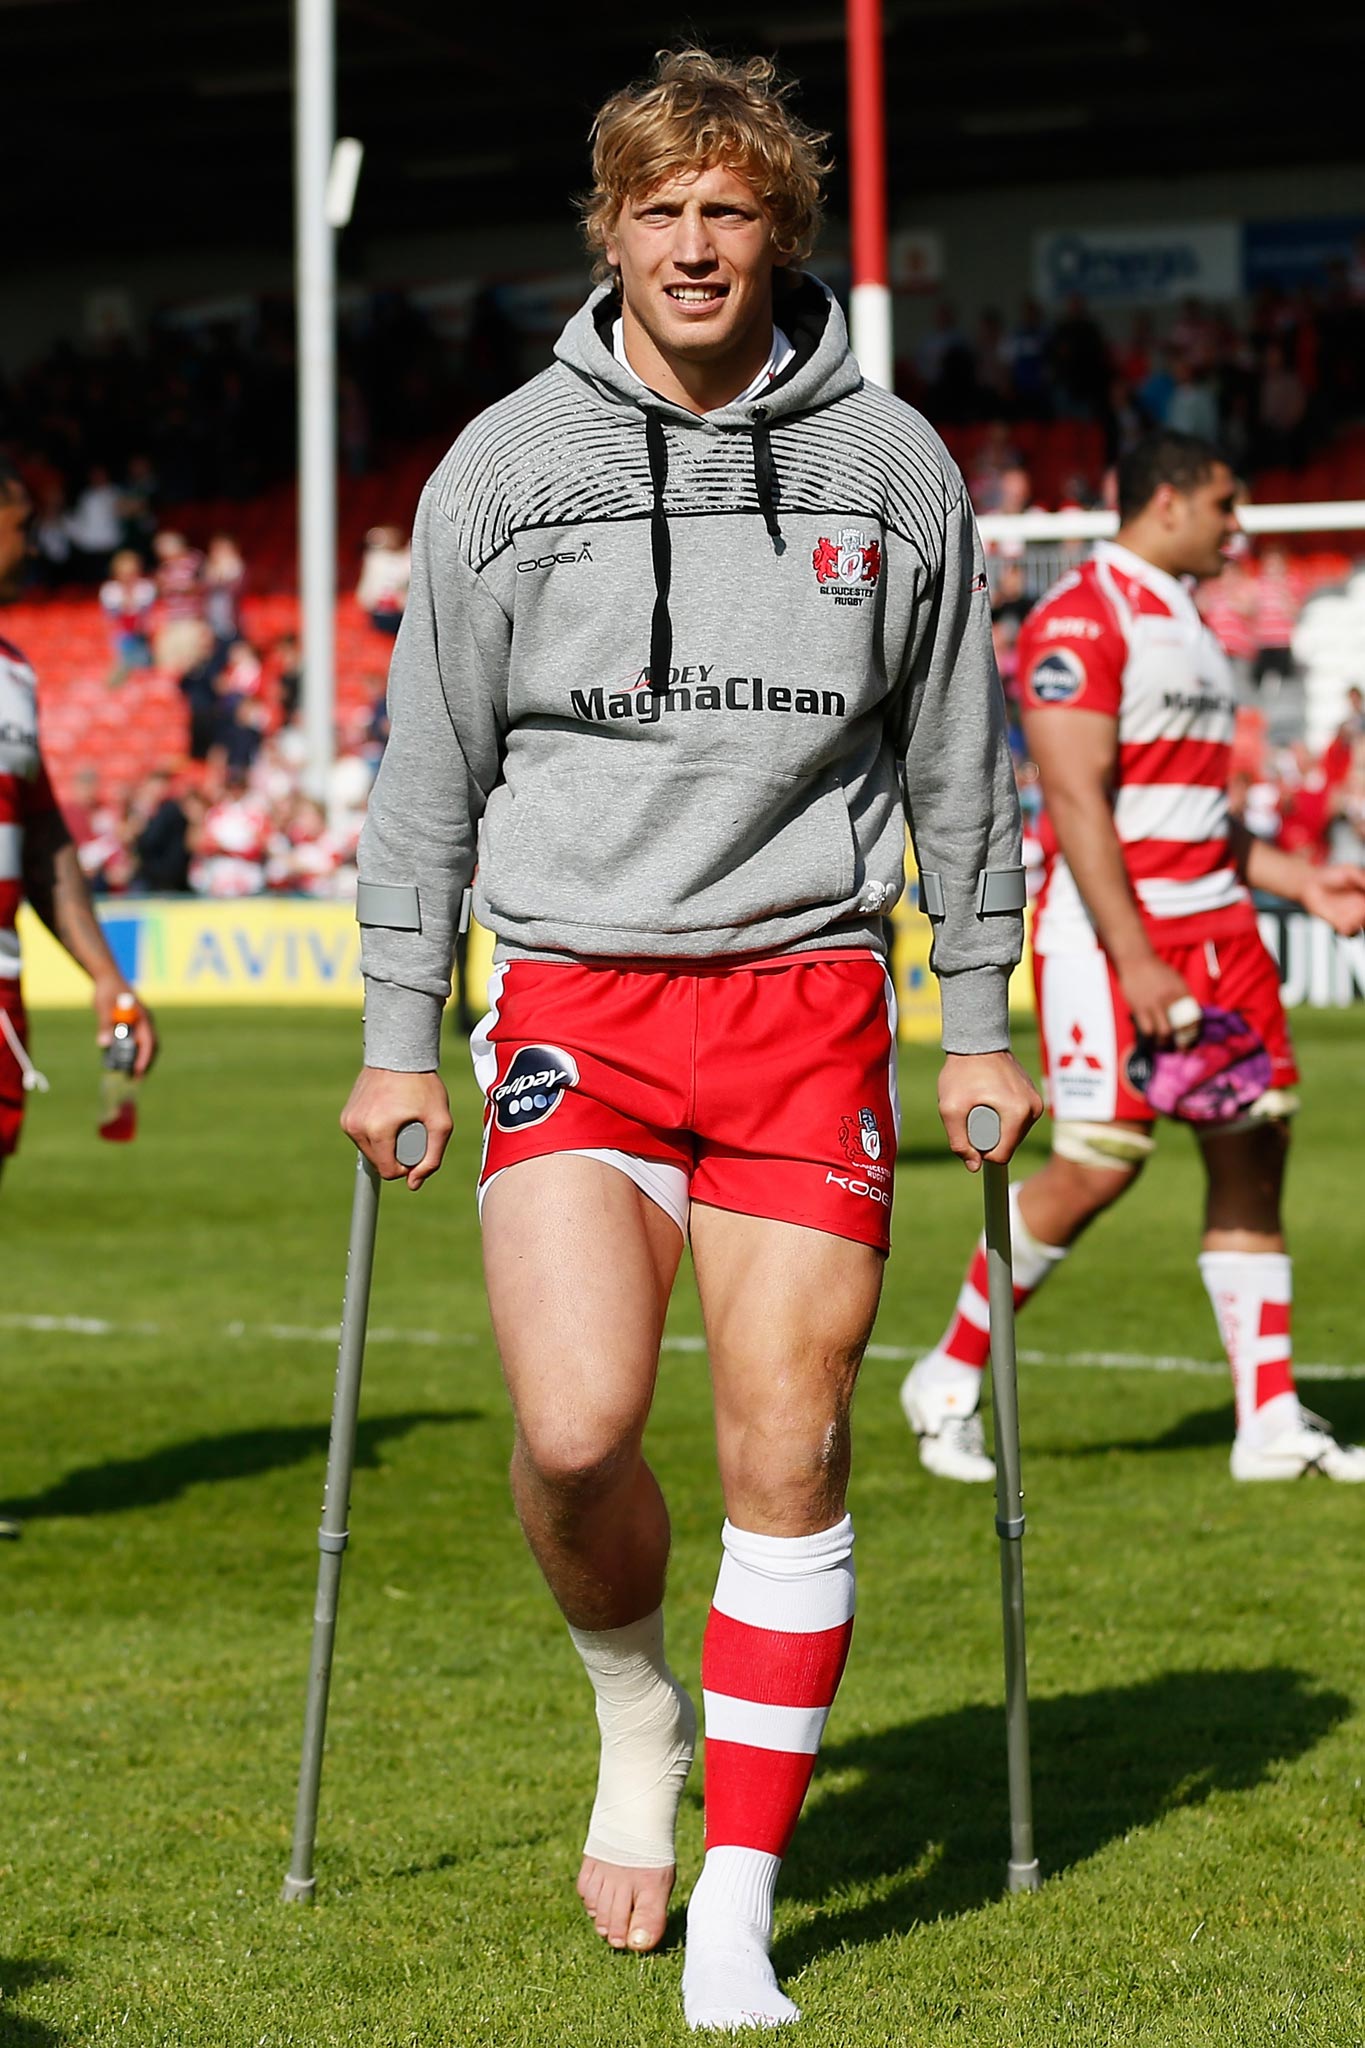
[(1111, 1147), (1185, 1018), (648, 1727), (1277, 1105)]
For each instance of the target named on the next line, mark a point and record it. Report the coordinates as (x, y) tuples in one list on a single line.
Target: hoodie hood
[(822, 370)]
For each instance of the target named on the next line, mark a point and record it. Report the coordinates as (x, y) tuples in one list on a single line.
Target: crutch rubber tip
[(410, 1145), (983, 1127), (1025, 1877), (298, 1891)]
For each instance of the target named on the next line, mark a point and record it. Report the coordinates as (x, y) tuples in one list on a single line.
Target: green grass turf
[(1197, 1655)]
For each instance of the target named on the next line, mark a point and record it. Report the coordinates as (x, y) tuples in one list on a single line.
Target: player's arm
[(963, 811), (1335, 893), (447, 718), (59, 893), (1077, 754)]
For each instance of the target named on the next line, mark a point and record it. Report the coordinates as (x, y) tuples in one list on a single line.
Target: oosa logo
[(533, 1087), (847, 567)]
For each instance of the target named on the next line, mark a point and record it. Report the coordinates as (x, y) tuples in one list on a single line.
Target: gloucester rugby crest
[(847, 567)]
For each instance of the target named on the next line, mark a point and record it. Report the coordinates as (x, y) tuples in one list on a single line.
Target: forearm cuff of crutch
[(333, 1540), (1011, 1528)]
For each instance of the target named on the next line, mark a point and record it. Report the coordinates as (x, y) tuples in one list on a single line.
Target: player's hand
[(380, 1103), (106, 994), (1337, 895), (1151, 990), (998, 1080)]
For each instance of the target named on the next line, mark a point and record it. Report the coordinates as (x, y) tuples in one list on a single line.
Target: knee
[(780, 1465), (1097, 1162), (574, 1463)]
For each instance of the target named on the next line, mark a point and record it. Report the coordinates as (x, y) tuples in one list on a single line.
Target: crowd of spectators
[(1271, 389), (205, 409), (110, 437)]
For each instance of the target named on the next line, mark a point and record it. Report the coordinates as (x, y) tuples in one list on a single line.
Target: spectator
[(385, 573), (1192, 407), (288, 662), (1025, 355), (137, 504), (158, 837), (50, 535), (1228, 605), (126, 601), (224, 579), (1281, 409), (183, 639), (1078, 357), (1277, 609), (95, 526), (228, 847)]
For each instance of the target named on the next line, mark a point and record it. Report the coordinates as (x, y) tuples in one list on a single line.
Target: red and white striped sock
[(1252, 1293), (951, 1373), (772, 1657)]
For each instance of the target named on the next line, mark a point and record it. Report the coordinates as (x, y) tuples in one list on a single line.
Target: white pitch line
[(328, 1333)]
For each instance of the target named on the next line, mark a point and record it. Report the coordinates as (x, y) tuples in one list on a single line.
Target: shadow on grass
[(16, 1974), (1342, 1401), (925, 1816), (164, 1475)]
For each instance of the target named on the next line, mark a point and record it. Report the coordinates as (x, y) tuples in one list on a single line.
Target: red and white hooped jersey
[(1120, 637), (25, 794)]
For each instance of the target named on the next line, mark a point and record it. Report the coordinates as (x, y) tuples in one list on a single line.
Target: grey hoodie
[(679, 683)]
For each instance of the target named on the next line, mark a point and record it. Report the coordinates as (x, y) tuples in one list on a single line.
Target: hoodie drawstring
[(661, 548), (661, 541), (765, 479)]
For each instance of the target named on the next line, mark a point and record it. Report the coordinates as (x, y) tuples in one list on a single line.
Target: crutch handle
[(983, 1127), (410, 1145)]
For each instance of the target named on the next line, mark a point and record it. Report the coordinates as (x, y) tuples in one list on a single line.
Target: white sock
[(771, 1660), (948, 1379), (728, 1981), (648, 1727), (1251, 1294)]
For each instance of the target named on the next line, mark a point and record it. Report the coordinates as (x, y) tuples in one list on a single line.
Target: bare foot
[(629, 1907)]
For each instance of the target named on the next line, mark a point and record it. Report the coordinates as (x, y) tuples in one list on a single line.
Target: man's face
[(14, 511), (1201, 522), (696, 262)]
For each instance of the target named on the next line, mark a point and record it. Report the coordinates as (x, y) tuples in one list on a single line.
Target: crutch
[(983, 1128), (409, 1148)]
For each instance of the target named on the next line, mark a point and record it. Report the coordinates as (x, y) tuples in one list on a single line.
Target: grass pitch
[(1198, 1664)]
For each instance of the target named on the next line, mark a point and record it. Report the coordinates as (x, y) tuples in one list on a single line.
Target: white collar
[(780, 355), (1169, 588)]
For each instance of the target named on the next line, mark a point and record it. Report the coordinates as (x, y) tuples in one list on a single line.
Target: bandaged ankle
[(648, 1728)]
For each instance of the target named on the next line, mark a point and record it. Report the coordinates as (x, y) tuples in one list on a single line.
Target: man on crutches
[(699, 620)]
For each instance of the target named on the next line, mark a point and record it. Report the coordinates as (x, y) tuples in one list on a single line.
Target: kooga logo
[(583, 554)]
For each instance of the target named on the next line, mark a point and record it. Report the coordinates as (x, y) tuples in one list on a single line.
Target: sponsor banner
[(1296, 252), (1316, 967), (254, 950), (1144, 266)]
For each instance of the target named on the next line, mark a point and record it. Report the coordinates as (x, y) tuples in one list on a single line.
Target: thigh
[(1242, 976), (797, 1116), (1087, 1039), (573, 1058), (12, 1097), (579, 1264), (788, 1312)]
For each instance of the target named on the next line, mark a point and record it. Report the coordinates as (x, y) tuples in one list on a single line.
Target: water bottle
[(118, 1084)]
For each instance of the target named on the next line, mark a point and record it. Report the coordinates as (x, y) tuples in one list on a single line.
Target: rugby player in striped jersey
[(1146, 916)]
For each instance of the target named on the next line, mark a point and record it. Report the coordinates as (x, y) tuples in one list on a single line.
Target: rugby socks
[(949, 1378), (1252, 1294), (648, 1727), (772, 1657)]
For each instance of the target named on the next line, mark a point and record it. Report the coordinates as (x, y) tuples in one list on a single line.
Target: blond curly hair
[(694, 112)]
